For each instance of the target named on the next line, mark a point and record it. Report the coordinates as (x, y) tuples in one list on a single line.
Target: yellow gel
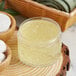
[(39, 42)]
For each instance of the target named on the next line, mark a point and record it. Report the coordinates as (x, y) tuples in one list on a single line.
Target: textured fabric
[(63, 5)]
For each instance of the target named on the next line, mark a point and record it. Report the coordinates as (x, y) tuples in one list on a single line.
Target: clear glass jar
[(39, 42)]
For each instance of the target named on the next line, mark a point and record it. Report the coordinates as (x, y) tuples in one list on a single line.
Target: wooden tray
[(16, 68), (29, 8)]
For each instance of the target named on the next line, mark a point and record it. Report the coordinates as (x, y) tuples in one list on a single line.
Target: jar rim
[(43, 18)]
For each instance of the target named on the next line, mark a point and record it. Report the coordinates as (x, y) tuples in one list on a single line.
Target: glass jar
[(39, 42)]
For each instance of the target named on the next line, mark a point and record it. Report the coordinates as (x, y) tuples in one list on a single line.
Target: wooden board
[(17, 68)]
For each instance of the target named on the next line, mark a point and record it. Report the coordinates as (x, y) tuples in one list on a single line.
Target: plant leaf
[(11, 11), (2, 5)]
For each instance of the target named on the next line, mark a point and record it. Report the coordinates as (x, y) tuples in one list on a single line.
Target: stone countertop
[(69, 39)]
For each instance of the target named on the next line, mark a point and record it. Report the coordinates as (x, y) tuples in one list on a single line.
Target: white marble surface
[(68, 38)]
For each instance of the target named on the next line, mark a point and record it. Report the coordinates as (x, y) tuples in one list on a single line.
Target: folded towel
[(63, 5), (71, 4)]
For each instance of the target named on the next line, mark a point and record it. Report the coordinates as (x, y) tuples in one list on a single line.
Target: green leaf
[(11, 11), (2, 5)]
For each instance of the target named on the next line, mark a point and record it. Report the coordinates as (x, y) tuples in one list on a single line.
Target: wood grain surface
[(17, 68)]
